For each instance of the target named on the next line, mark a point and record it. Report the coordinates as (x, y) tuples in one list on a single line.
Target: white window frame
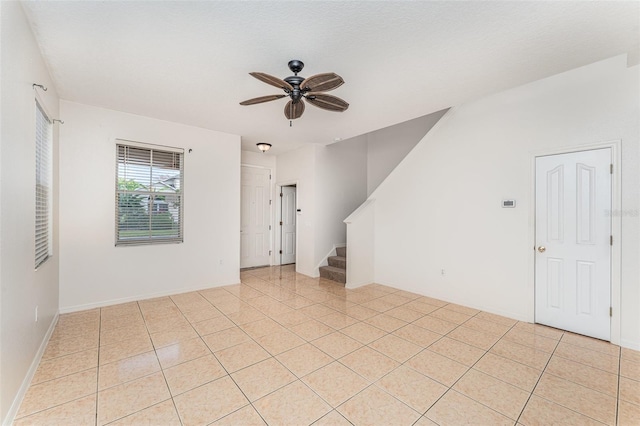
[(43, 223), (148, 239)]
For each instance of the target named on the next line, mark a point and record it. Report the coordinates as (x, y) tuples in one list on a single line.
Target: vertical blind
[(44, 137), (149, 195)]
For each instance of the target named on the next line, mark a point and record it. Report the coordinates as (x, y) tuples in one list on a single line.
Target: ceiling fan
[(299, 88)]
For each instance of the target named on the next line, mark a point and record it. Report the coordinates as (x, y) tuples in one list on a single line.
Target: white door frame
[(278, 235), (271, 215), (616, 205)]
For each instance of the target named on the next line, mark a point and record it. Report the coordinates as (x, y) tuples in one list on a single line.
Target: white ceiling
[(188, 61)]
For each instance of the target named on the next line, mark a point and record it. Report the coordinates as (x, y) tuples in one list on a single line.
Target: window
[(149, 196), (44, 137)]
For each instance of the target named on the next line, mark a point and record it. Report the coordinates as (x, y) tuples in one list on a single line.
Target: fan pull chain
[(290, 123)]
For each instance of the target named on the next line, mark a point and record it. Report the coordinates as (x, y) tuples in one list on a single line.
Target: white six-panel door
[(288, 225), (255, 214), (573, 249)]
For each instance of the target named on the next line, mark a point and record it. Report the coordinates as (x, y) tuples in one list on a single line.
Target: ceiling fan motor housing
[(295, 81)]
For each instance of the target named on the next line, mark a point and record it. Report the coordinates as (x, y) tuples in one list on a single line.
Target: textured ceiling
[(188, 61)]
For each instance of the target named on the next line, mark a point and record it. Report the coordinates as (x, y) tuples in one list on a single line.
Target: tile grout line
[(98, 367), (618, 388), (538, 381), (155, 351), (469, 369)]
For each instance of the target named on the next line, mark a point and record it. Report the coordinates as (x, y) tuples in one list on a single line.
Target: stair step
[(341, 251), (334, 274), (337, 261)]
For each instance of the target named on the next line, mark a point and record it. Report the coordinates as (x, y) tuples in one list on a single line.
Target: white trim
[(149, 146), (616, 226), (15, 405), (278, 210), (630, 344), (110, 302)]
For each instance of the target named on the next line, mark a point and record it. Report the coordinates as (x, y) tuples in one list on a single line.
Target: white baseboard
[(357, 284), (629, 344), (109, 302), (15, 405)]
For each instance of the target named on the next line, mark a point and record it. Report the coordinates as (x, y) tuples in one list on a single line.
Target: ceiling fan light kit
[(299, 88)]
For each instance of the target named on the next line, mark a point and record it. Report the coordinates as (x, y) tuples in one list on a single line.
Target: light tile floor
[(285, 349)]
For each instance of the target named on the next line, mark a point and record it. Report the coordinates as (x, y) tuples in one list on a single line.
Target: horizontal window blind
[(43, 235), (149, 195)]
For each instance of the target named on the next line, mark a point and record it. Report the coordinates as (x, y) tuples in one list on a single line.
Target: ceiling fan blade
[(274, 81), (322, 82), (262, 99), (329, 102), (293, 111)]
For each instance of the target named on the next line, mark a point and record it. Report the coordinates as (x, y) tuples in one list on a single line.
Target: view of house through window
[(44, 137), (148, 195)]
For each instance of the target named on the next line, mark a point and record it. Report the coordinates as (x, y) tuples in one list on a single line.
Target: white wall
[(341, 175), (258, 159), (387, 147), (440, 208), (299, 167), (22, 288), (93, 271)]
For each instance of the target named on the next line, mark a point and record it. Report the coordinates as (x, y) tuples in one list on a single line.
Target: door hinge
[(611, 168), (269, 252), (610, 240), (281, 194), (269, 176), (610, 311), (280, 223), (269, 227), (269, 202)]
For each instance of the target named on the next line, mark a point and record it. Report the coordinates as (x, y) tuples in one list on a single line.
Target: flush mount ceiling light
[(298, 88), (263, 146)]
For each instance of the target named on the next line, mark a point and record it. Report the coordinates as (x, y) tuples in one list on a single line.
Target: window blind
[(149, 195), (44, 137)]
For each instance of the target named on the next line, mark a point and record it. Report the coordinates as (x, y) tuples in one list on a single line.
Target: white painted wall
[(299, 167), (387, 147), (341, 174), (440, 208), (361, 248), (258, 159), (22, 288), (93, 271)]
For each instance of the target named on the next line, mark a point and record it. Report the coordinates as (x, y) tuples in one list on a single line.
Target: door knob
[(542, 249)]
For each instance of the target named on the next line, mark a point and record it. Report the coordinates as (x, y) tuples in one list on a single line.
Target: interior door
[(573, 246), (255, 214), (288, 225)]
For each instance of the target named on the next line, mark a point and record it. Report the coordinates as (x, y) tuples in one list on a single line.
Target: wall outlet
[(36, 314), (442, 272)]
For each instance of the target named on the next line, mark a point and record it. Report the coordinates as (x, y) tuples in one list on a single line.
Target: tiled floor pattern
[(285, 349)]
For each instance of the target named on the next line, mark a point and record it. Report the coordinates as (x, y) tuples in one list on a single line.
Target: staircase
[(337, 269)]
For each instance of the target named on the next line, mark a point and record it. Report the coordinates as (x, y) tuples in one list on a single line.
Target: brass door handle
[(542, 249)]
